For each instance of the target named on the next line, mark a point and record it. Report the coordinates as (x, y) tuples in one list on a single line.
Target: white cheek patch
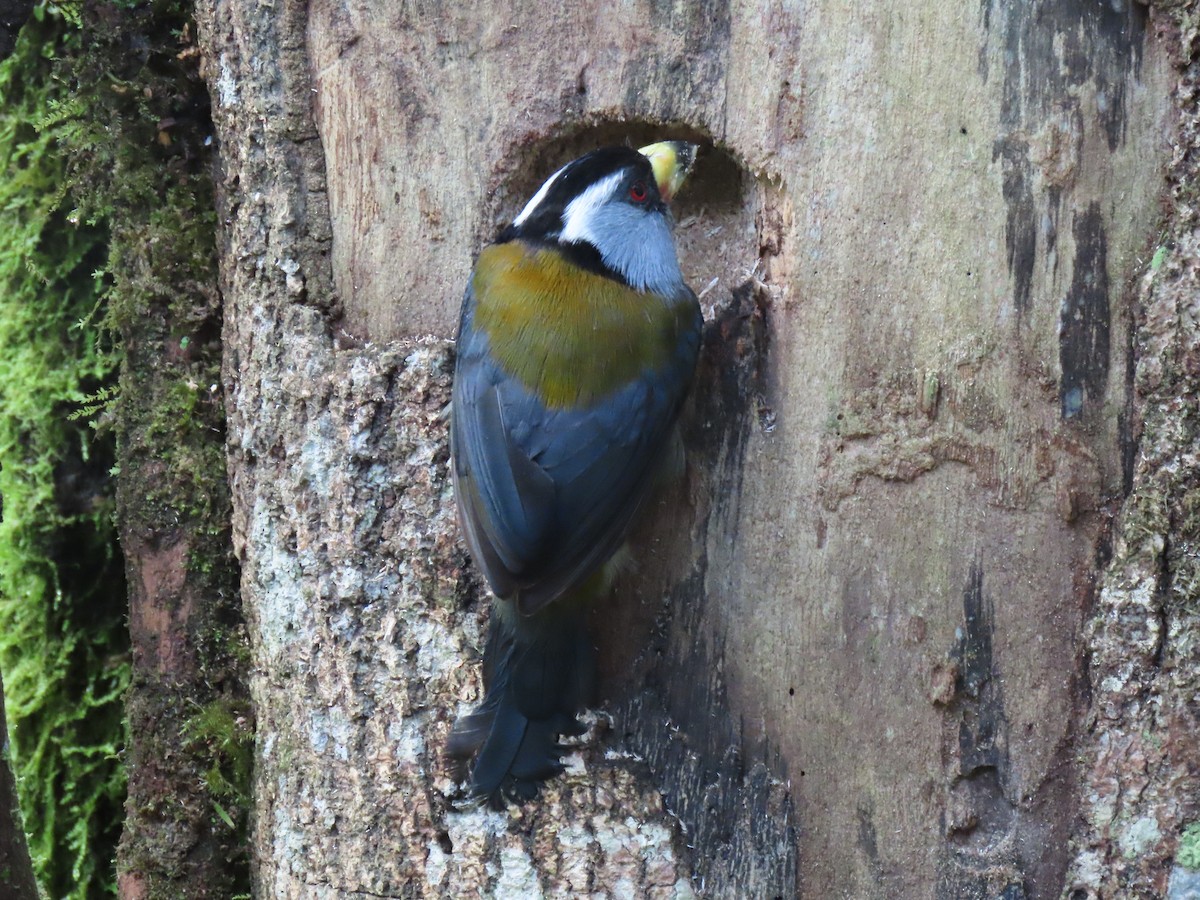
[(536, 200), (578, 218)]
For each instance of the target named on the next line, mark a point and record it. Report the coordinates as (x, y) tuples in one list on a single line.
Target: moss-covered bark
[(190, 726), (107, 261)]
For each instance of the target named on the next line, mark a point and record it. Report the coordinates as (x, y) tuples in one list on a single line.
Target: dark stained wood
[(16, 869)]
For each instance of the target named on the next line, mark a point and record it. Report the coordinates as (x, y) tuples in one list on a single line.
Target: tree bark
[(849, 661), (1141, 751), (16, 868), (189, 753)]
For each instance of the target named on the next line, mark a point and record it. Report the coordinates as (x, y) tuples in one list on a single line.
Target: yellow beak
[(671, 161)]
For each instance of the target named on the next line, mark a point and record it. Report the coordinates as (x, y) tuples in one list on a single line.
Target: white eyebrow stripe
[(578, 214), (537, 198)]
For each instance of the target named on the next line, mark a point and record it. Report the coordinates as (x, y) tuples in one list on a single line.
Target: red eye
[(637, 192)]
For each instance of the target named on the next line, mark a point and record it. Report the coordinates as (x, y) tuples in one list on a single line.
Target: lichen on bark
[(1140, 754)]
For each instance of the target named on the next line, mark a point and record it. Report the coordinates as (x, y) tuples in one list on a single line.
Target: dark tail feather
[(537, 674)]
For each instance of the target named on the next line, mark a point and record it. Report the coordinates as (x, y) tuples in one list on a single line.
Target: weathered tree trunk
[(1141, 753), (850, 662), (16, 869)]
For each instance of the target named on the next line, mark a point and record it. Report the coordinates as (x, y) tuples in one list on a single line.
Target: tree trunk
[(1140, 755), (16, 869), (850, 662)]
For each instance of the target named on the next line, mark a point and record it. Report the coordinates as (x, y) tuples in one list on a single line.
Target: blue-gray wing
[(545, 496)]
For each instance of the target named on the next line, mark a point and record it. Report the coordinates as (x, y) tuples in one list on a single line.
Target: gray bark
[(847, 661), (1140, 754)]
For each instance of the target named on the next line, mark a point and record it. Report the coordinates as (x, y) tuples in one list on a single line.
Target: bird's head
[(607, 211)]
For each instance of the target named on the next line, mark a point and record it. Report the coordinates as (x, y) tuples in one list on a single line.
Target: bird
[(577, 344)]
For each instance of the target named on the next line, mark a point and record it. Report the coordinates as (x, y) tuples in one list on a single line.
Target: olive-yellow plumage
[(577, 342), (554, 353)]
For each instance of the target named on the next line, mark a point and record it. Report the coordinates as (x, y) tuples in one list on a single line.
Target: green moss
[(1188, 854), (151, 159), (222, 732), (63, 648), (107, 264)]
